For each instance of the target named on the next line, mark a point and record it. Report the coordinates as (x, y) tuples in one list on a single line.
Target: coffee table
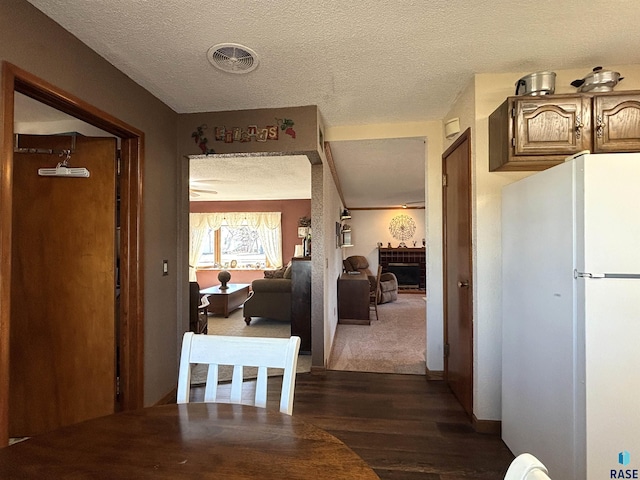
[(222, 302)]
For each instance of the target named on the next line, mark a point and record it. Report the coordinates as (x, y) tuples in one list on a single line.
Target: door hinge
[(446, 350), (444, 179), (513, 141), (117, 386), (118, 162), (513, 112)]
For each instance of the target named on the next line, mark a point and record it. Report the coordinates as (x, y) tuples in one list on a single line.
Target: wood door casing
[(458, 291), (62, 340)]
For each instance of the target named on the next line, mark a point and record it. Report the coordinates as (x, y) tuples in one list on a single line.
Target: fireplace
[(408, 274), (404, 256)]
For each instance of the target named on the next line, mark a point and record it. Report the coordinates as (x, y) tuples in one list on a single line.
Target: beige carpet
[(394, 344), (236, 326)]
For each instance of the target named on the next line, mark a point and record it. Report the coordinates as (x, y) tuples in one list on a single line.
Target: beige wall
[(332, 207), (35, 43)]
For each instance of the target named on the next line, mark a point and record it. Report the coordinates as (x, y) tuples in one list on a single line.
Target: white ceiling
[(364, 62), (243, 178)]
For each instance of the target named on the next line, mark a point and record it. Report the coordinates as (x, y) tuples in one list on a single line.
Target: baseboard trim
[(491, 427), (170, 397), (434, 375)]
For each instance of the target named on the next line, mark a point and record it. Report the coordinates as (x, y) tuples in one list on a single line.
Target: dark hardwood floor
[(404, 427)]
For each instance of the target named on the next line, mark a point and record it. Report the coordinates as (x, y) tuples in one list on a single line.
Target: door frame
[(131, 318), (465, 136)]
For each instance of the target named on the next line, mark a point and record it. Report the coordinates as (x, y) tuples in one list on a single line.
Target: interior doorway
[(382, 183), (129, 343)]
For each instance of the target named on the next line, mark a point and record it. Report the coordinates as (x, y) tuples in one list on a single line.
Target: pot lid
[(597, 74)]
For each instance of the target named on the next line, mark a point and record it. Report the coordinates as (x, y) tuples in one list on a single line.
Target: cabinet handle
[(579, 126), (463, 284), (599, 126)]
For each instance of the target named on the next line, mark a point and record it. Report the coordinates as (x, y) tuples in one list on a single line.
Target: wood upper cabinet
[(616, 122), (537, 132), (551, 126)]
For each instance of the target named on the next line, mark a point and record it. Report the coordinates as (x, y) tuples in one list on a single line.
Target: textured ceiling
[(361, 62), (398, 176), (240, 178)]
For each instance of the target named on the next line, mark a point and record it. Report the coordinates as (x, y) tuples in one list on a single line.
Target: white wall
[(333, 260), (368, 227), (474, 105)]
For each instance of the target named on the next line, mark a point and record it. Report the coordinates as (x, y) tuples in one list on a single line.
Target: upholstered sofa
[(388, 291), (270, 297)]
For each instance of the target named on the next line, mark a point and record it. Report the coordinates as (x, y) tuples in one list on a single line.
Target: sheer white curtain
[(199, 225), (267, 224)]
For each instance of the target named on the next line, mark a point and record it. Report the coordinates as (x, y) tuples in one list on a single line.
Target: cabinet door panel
[(551, 126), (616, 123)]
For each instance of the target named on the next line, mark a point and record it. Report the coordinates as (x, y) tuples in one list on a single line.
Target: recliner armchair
[(388, 291)]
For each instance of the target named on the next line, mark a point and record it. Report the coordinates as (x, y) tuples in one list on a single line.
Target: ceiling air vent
[(232, 58)]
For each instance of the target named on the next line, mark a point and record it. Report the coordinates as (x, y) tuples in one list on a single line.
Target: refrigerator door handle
[(577, 274)]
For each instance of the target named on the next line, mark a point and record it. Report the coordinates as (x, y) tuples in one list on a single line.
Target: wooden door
[(458, 292), (616, 123), (62, 340), (557, 125)]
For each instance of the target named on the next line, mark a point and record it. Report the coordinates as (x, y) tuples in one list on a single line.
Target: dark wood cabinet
[(353, 299), (538, 132), (301, 301)]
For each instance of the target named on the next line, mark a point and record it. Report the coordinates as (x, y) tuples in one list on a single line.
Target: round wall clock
[(402, 227)]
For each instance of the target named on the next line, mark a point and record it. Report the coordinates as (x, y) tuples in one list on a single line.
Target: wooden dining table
[(188, 441)]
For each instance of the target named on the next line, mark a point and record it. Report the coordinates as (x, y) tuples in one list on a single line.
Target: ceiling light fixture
[(233, 58)]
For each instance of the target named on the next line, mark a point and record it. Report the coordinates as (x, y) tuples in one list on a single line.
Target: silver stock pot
[(538, 83)]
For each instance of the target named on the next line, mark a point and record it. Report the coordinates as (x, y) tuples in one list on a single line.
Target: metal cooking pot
[(598, 80), (539, 83)]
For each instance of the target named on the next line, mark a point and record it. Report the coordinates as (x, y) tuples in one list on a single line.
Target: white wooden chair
[(526, 467), (263, 353)]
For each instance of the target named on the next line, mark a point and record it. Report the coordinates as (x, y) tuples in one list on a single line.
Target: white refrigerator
[(571, 317)]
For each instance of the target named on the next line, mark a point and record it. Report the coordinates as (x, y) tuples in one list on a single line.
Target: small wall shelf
[(344, 237)]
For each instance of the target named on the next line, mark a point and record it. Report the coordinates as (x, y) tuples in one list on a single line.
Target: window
[(233, 247), (236, 240)]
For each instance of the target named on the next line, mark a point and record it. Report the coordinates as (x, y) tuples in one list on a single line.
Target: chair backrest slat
[(215, 350), (526, 467)]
